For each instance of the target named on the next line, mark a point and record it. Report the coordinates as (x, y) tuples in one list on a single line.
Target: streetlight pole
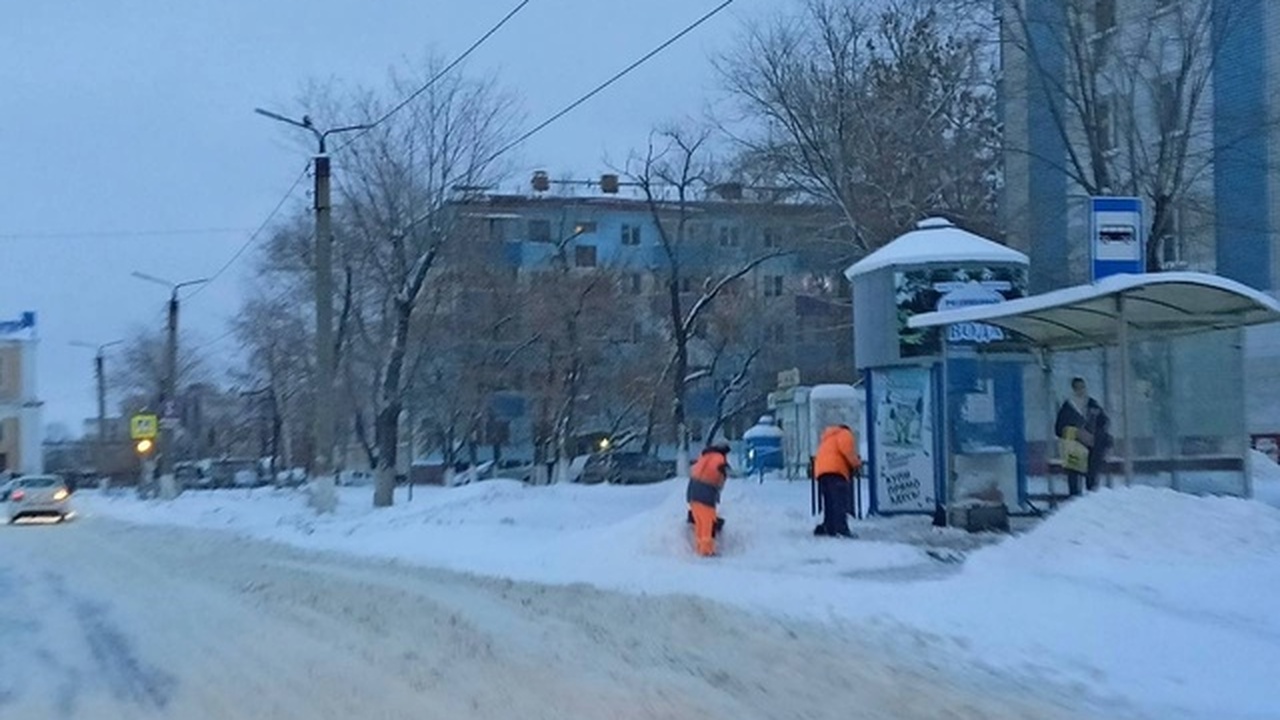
[(100, 374), (324, 414), (170, 390)]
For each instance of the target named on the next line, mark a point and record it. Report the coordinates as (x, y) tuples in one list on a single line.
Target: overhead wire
[(253, 237), (434, 78), (353, 138), (613, 79), (545, 123)]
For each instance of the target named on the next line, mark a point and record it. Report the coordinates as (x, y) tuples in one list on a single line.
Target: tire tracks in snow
[(243, 629)]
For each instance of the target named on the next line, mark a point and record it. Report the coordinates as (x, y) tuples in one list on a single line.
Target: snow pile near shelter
[(1146, 592), (1266, 478)]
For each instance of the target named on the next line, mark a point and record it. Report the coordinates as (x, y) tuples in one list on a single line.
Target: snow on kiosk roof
[(1089, 315), (936, 240)]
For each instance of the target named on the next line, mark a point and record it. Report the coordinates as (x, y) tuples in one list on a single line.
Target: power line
[(616, 77), (254, 235), (385, 116), (540, 126), (74, 234), (435, 78)]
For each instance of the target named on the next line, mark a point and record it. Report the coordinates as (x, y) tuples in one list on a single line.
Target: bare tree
[(395, 187), (884, 110), (472, 326), (273, 332), (570, 320), (138, 380), (671, 173), (1128, 97)]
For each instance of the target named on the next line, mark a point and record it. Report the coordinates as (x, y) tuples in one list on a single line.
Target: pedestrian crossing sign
[(143, 427)]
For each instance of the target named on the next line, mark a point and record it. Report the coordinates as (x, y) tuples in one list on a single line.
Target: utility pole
[(169, 391), (100, 375), (322, 465)]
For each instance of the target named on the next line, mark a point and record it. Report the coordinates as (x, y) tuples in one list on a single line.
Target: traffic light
[(144, 447)]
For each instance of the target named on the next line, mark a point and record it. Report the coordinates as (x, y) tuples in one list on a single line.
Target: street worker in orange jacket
[(833, 468), (706, 479)]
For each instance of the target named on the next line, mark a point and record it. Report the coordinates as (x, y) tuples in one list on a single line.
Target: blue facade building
[(1130, 84), (793, 309)]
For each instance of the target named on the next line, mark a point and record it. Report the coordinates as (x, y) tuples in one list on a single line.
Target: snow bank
[(1150, 593), (1266, 478), (1144, 526), (1139, 596)]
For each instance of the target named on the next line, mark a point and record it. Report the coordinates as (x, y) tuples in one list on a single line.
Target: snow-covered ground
[(1138, 599)]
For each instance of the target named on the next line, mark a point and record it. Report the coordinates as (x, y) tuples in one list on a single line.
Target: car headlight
[(61, 494)]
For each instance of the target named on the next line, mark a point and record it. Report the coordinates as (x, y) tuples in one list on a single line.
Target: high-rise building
[(1173, 101)]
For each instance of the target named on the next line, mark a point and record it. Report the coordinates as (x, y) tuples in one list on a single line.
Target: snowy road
[(104, 620)]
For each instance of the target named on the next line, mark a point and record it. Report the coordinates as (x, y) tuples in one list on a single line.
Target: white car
[(39, 495)]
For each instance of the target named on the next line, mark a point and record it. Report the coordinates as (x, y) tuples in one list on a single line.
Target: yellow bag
[(1075, 456)]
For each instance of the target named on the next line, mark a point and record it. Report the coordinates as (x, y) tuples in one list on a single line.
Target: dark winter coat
[(1094, 422)]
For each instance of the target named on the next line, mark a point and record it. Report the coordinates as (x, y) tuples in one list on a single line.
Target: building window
[(585, 227), (637, 332), (773, 286), (634, 283), (497, 230), (630, 234), (1106, 119), (540, 230), (1167, 106), (777, 333), (770, 237), (584, 255), (686, 284), (1104, 15), (729, 236)]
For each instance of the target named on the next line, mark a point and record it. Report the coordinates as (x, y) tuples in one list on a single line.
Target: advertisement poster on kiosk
[(905, 466)]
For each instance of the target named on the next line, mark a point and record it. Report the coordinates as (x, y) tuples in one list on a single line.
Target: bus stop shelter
[(1169, 350)]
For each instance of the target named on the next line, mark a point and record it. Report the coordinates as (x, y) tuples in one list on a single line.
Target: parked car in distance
[(626, 468), (190, 475), (38, 495), (293, 477), (355, 478), (232, 472)]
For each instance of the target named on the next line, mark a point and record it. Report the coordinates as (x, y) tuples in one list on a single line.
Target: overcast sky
[(123, 121)]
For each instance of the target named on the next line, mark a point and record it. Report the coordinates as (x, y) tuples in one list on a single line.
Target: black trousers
[(835, 504)]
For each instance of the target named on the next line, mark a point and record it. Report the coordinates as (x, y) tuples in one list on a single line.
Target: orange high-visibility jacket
[(837, 453), (706, 478)]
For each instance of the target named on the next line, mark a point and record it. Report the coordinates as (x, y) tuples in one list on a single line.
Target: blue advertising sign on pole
[(1117, 242)]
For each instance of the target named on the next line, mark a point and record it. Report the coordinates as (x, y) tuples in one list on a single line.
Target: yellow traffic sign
[(143, 427)]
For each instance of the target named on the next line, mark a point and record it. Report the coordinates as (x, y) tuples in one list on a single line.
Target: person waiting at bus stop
[(1082, 420), (833, 467)]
